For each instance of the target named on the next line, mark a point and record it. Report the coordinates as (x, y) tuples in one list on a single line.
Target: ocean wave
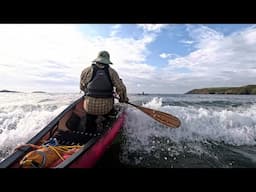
[(235, 126)]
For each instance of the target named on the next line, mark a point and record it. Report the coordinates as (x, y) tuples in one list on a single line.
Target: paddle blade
[(164, 118)]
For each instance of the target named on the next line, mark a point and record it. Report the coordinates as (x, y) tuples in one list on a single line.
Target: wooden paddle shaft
[(162, 117)]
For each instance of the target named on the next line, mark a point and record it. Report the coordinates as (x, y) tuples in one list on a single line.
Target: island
[(243, 90), (142, 93), (8, 91), (38, 92)]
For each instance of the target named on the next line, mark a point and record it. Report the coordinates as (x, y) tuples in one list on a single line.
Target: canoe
[(92, 145)]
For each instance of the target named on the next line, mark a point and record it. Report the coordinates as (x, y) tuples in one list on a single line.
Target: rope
[(58, 150)]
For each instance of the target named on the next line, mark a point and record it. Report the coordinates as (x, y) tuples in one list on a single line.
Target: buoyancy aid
[(100, 85)]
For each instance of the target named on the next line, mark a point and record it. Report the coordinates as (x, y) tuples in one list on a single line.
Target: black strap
[(94, 70), (107, 72)]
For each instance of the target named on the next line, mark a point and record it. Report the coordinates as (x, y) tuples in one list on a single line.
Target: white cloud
[(115, 30), (218, 60), (168, 55), (164, 55), (152, 27), (204, 36), (187, 42), (29, 50), (51, 57)]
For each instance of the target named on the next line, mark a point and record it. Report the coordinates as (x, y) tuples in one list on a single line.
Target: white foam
[(155, 103), (235, 126), (24, 116)]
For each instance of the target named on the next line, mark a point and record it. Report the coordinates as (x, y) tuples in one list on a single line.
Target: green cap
[(103, 57)]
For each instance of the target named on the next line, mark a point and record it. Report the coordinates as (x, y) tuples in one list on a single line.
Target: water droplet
[(165, 158)]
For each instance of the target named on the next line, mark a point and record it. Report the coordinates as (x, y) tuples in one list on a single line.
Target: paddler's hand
[(121, 100)]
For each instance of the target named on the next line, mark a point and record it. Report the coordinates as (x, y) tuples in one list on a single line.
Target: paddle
[(164, 118)]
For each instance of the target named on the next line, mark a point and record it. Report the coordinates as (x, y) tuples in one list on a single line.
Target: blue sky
[(154, 58)]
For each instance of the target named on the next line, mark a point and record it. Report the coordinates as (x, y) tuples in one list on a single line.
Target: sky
[(150, 58)]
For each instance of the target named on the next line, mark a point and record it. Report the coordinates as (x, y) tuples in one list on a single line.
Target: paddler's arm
[(119, 85), (85, 78)]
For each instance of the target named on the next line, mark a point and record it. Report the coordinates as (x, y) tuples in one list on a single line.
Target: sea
[(217, 131)]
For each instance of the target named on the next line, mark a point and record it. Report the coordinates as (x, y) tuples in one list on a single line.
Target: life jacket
[(100, 85)]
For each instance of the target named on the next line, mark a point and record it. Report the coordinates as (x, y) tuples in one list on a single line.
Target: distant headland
[(142, 93), (8, 91), (244, 90), (38, 92)]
